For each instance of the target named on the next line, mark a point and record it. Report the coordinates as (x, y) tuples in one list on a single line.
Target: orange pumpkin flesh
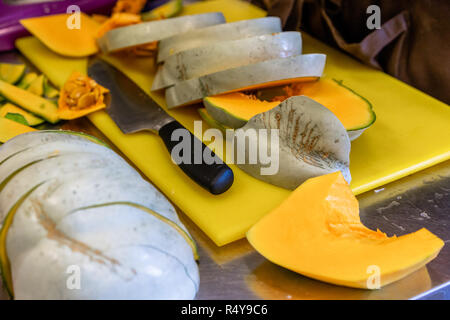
[(53, 32), (317, 232), (80, 96), (354, 111), (118, 20)]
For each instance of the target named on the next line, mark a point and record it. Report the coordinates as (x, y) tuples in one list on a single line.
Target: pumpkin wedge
[(269, 73), (317, 232), (54, 32), (354, 111), (224, 55)]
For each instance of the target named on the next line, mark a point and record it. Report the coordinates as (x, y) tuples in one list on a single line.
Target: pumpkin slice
[(80, 96), (354, 111), (217, 33), (30, 118), (11, 73), (53, 31), (167, 10), (309, 141), (29, 101), (9, 129), (275, 72), (197, 62), (318, 233), (148, 32), (210, 121)]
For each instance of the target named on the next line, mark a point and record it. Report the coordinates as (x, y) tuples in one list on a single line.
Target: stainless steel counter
[(236, 271)]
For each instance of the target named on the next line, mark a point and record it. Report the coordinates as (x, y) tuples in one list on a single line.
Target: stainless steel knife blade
[(127, 104)]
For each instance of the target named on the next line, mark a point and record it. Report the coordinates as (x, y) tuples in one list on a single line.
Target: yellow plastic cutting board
[(411, 133)]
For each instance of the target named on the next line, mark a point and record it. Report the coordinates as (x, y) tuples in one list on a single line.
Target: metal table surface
[(236, 271)]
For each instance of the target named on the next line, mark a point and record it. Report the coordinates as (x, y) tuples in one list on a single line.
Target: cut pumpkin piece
[(29, 118), (317, 232), (11, 73), (224, 55), (297, 140), (80, 96), (54, 32), (217, 33), (9, 129), (148, 32), (354, 111), (270, 73), (29, 101)]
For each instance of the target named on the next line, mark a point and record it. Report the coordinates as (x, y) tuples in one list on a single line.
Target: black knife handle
[(216, 177)]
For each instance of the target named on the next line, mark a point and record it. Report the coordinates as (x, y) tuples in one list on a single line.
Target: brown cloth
[(413, 43)]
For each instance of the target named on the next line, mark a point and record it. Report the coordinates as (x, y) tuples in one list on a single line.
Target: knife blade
[(133, 110)]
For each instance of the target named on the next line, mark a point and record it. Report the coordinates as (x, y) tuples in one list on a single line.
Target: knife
[(134, 110)]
